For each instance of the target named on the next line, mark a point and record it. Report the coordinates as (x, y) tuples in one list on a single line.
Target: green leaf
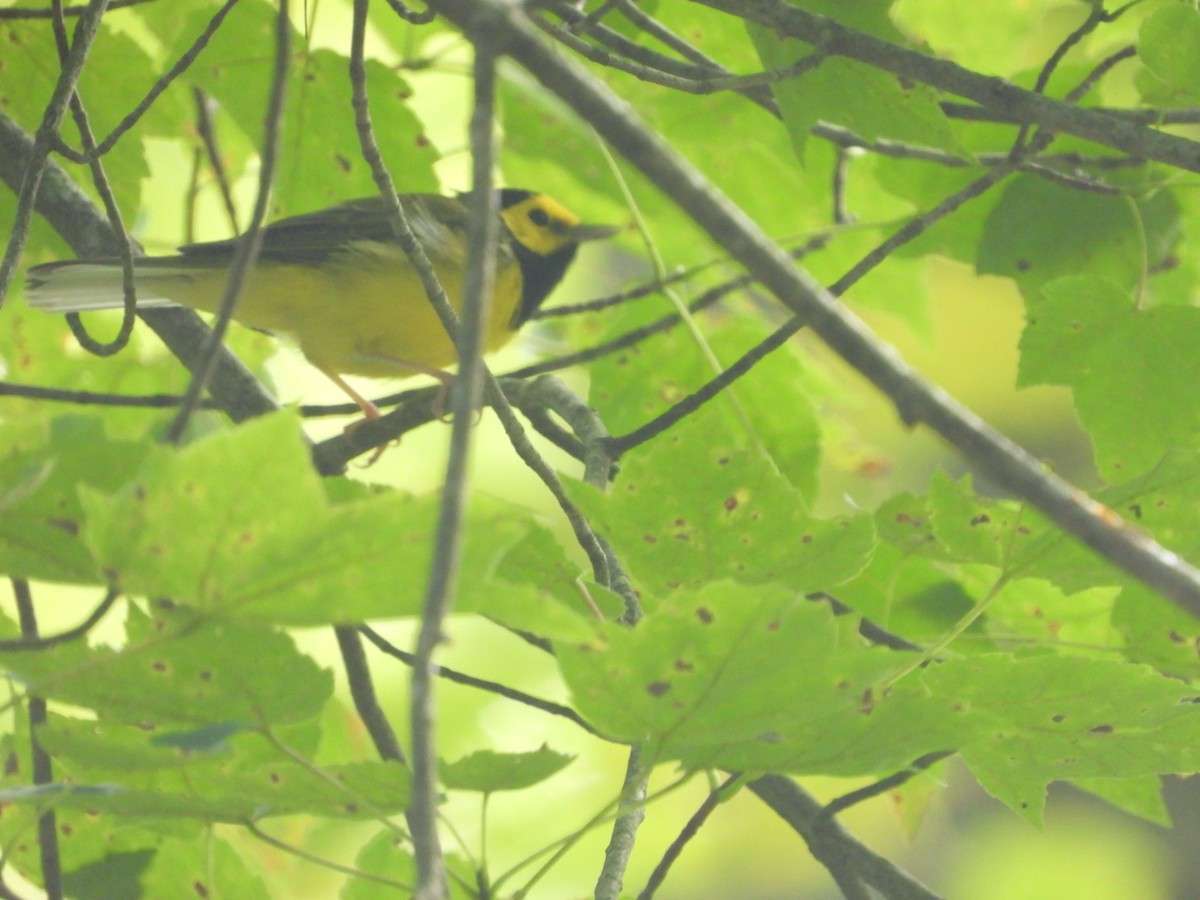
[(385, 869), (1038, 611), (390, 866), (320, 161), (40, 476), (176, 669), (1158, 632), (994, 40), (356, 791), (104, 745), (116, 77), (752, 679), (487, 771), (871, 17), (773, 406), (1166, 46), (1131, 369), (1046, 718), (1142, 796), (690, 508), (910, 596), (116, 875), (1039, 231), (264, 544), (98, 845), (547, 148), (871, 103), (208, 868), (539, 590), (972, 528)]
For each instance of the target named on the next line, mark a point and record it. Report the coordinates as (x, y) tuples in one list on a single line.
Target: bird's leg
[(370, 410), (405, 367)]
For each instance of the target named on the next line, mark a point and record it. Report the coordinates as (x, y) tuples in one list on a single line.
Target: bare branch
[(832, 845), (995, 94)]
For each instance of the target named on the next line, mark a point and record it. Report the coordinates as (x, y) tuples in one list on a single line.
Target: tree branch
[(995, 94), (831, 844)]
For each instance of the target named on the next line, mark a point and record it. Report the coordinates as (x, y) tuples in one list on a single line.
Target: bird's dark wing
[(309, 239)]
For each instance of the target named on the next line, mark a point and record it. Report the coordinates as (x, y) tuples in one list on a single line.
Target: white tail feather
[(82, 286)]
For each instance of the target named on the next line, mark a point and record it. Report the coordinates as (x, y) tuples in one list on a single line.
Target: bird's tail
[(80, 285)]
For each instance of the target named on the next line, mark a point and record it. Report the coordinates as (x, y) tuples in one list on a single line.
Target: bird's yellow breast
[(363, 314)]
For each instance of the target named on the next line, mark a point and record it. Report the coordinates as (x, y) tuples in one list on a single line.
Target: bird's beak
[(581, 233)]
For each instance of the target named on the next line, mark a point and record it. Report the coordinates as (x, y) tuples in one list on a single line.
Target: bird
[(338, 284)]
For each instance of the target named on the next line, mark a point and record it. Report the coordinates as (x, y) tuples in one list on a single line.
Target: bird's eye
[(539, 217)]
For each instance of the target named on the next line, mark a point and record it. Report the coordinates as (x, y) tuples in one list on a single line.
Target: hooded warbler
[(337, 283)]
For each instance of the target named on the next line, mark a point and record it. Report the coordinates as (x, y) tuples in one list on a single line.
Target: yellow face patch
[(541, 224)]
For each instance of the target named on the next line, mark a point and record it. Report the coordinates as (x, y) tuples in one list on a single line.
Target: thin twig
[(671, 320), (161, 84), (832, 845), (362, 692), (93, 398), (598, 304), (882, 786), (410, 16), (917, 226), (43, 770), (619, 446), (321, 861), (1099, 71), (996, 94), (547, 393), (483, 684), (63, 637), (482, 233), (647, 25), (35, 164), (633, 337), (1186, 115), (1043, 167), (208, 137), (65, 11), (245, 254), (109, 201), (690, 829), (592, 18), (696, 65), (706, 84)]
